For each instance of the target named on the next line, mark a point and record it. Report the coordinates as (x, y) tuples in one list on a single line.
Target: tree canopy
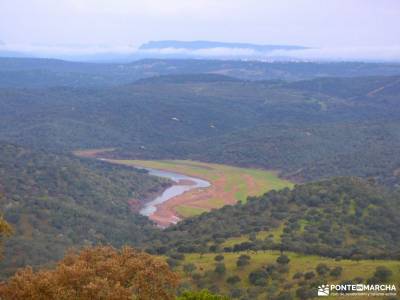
[(96, 273)]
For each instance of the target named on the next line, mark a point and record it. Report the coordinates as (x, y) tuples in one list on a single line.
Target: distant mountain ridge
[(197, 45)]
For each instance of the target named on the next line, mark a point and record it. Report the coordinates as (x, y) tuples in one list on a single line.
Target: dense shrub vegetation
[(102, 273), (54, 202)]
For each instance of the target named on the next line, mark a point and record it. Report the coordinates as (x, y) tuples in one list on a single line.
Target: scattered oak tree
[(381, 275), (220, 269), (322, 269), (232, 280), (309, 275), (219, 258), (243, 260), (283, 260), (336, 271), (189, 268)]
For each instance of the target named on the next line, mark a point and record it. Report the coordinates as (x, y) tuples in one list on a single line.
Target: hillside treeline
[(340, 218)]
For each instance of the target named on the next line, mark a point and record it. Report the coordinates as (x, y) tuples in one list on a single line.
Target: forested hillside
[(54, 202), (309, 151), (343, 217), (307, 129)]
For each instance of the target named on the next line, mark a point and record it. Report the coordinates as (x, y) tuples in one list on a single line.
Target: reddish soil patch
[(166, 213), (252, 186)]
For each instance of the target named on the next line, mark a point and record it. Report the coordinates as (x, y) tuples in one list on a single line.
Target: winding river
[(183, 184)]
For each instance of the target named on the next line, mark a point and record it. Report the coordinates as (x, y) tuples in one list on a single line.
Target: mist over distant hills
[(174, 49), (153, 49), (211, 49), (196, 45)]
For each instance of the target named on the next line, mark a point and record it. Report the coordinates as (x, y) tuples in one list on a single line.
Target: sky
[(334, 27)]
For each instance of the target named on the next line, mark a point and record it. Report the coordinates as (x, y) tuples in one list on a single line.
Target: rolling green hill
[(284, 244), (343, 217), (262, 277)]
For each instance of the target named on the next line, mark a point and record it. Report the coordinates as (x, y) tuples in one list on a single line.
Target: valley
[(244, 265), (228, 185), (252, 187), (199, 150)]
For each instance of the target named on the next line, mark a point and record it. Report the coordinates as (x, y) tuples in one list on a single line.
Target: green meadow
[(299, 263), (229, 184)]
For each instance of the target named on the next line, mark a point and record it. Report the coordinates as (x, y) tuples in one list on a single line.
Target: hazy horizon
[(353, 29)]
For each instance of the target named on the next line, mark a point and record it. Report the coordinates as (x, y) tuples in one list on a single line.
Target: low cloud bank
[(205, 52), (346, 53), (312, 54), (385, 54)]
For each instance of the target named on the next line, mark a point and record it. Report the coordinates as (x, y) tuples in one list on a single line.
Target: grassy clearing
[(188, 211), (229, 184), (236, 177), (261, 235), (205, 265)]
